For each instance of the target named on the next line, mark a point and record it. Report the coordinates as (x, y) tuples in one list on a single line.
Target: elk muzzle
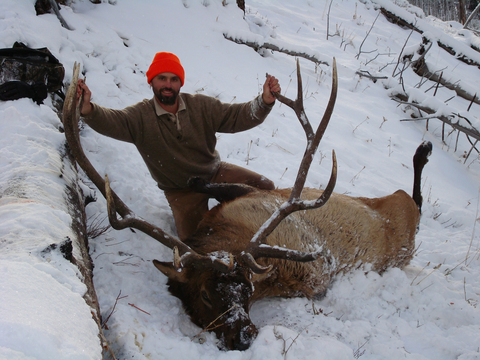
[(238, 332)]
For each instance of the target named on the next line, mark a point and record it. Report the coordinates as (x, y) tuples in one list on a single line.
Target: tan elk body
[(259, 243), (351, 231)]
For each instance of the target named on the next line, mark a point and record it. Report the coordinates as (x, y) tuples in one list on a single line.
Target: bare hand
[(270, 87), (87, 95)]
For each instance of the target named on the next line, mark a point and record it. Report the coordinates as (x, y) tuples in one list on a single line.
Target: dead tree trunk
[(472, 15), (461, 12)]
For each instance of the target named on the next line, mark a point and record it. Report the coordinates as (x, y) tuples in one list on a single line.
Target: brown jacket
[(174, 153)]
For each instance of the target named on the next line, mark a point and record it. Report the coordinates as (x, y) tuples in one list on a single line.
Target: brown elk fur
[(355, 231)]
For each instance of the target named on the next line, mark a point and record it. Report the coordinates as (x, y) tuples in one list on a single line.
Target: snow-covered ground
[(429, 310)]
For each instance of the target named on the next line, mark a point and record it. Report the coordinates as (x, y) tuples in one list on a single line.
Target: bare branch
[(328, 18), (363, 73), (401, 52), (368, 33), (472, 132)]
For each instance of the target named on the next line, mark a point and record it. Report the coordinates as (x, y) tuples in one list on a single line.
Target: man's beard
[(166, 100)]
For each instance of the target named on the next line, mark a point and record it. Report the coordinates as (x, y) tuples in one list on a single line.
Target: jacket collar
[(160, 111)]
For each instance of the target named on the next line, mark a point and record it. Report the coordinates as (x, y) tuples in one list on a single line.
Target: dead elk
[(258, 244)]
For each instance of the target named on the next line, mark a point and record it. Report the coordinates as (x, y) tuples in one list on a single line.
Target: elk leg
[(419, 160), (221, 192)]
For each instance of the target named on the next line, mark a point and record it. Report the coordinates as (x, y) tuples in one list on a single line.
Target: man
[(175, 135)]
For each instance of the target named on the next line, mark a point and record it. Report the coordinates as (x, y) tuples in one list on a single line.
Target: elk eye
[(206, 299)]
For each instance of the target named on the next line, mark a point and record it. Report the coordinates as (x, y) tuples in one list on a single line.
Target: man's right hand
[(87, 95)]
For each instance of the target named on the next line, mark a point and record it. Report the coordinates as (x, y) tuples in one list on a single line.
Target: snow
[(43, 314), (429, 310)]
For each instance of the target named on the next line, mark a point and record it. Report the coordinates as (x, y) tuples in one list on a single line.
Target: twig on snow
[(136, 307), (104, 325)]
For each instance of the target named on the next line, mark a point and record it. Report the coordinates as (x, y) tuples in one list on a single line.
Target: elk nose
[(241, 340)]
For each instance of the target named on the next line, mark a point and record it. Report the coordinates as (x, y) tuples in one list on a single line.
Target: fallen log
[(267, 46), (469, 132), (421, 68), (396, 19)]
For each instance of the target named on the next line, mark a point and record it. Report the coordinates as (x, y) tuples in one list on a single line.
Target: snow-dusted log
[(76, 208), (268, 46), (397, 19), (470, 131), (421, 69), (456, 121)]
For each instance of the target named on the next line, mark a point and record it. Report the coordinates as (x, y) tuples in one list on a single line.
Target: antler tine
[(297, 105), (312, 146), (131, 221), (257, 247), (188, 255), (71, 115)]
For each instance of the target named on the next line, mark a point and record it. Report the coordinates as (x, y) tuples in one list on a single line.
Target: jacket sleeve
[(231, 118), (124, 125)]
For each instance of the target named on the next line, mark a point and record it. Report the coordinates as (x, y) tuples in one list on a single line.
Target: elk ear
[(169, 271)]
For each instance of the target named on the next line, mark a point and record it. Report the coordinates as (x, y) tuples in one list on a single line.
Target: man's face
[(166, 87)]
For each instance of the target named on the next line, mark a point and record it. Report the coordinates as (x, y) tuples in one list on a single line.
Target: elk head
[(216, 287), (215, 301)]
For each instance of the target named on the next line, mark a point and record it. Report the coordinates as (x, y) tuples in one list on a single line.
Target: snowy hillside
[(429, 310)]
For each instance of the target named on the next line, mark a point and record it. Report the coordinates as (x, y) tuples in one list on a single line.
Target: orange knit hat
[(165, 62)]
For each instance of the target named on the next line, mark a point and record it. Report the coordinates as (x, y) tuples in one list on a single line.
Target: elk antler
[(71, 115), (257, 247)]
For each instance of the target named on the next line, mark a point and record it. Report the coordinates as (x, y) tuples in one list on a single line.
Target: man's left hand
[(270, 87)]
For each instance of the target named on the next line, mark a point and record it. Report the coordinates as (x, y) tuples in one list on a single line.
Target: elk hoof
[(422, 153), (425, 149)]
